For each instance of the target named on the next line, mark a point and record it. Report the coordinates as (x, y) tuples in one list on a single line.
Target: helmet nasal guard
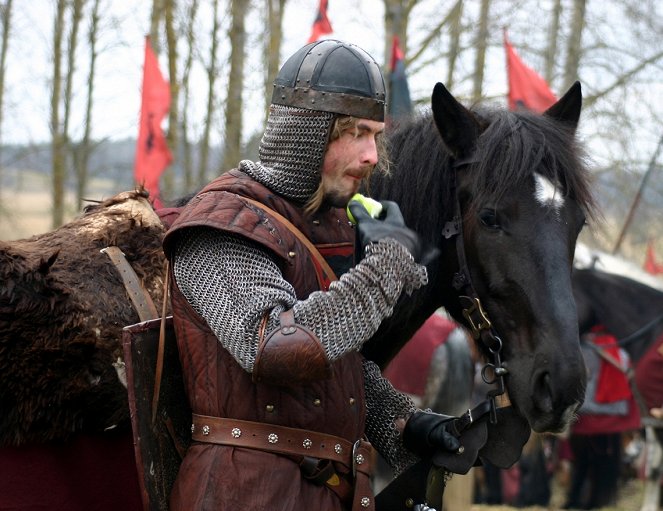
[(332, 76)]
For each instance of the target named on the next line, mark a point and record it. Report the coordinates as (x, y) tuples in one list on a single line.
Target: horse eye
[(488, 218)]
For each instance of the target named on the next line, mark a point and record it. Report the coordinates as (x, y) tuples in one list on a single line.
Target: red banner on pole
[(152, 153), (651, 265), (321, 25), (527, 89)]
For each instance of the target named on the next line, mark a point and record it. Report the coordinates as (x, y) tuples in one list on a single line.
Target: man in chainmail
[(268, 338)]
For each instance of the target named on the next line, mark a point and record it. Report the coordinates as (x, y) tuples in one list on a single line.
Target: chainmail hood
[(291, 151)]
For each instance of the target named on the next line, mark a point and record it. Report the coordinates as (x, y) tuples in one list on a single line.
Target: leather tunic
[(226, 478)]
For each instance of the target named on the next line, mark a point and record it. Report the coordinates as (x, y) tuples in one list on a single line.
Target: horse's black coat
[(519, 252)]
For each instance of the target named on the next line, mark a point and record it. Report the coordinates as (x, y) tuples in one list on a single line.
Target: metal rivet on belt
[(236, 432), (272, 438), (269, 408), (316, 402), (338, 449), (359, 459), (193, 428), (291, 254), (365, 502), (460, 450), (205, 430), (352, 400), (307, 443)]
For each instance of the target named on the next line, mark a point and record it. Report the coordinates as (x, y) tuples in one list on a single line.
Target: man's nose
[(369, 154)]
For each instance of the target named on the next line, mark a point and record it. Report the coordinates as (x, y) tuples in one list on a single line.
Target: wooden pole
[(636, 199)]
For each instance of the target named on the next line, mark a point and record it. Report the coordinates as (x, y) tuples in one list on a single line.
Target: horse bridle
[(477, 318)]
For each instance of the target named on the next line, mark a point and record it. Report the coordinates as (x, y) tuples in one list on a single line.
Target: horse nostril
[(543, 392)]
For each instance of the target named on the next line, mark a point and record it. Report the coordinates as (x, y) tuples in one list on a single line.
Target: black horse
[(503, 195), (628, 309)]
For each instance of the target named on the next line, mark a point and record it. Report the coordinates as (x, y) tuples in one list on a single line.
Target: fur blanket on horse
[(60, 353)]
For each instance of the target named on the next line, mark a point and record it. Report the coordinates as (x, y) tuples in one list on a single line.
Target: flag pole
[(636, 199)]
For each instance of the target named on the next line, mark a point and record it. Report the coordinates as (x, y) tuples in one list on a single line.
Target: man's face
[(348, 160)]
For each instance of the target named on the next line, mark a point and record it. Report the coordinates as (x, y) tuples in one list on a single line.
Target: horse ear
[(567, 109), (457, 126)]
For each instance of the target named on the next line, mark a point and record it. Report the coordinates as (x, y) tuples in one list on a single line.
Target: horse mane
[(510, 145), (533, 142)]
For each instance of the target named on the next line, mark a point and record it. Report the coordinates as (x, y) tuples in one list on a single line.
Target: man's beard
[(335, 199)]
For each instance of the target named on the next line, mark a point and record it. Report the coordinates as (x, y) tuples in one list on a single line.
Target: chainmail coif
[(291, 151)]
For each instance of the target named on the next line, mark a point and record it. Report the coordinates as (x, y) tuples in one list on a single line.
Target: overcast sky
[(119, 65)]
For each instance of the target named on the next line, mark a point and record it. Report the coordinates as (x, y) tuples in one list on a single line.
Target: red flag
[(152, 153), (399, 103), (526, 88), (651, 265), (321, 25)]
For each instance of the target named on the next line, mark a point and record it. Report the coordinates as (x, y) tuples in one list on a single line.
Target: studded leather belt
[(268, 437), (294, 442)]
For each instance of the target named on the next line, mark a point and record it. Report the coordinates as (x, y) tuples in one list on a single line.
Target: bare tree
[(76, 16), (481, 44), (553, 36), (273, 42), (234, 104), (171, 137), (156, 16), (83, 149), (58, 157), (574, 44), (184, 123), (455, 30), (5, 17), (212, 73)]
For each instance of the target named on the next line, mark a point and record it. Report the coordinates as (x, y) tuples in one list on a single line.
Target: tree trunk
[(233, 124), (553, 35), (5, 18), (171, 137), (211, 80), (275, 9), (574, 48), (455, 31), (76, 15), (155, 19), (57, 146), (481, 45), (187, 164), (82, 153)]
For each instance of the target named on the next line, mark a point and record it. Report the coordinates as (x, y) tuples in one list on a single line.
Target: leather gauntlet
[(290, 355)]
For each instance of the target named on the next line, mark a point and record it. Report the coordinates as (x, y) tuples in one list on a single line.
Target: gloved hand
[(427, 432), (389, 224)]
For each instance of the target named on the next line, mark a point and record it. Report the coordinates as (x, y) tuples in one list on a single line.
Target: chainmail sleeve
[(384, 404), (233, 282)]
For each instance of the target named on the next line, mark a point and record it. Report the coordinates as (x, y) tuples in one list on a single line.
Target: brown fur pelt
[(62, 309)]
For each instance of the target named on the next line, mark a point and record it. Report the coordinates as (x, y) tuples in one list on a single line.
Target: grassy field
[(25, 209)]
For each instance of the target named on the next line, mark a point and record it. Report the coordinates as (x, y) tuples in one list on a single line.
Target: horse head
[(512, 187), (522, 194)]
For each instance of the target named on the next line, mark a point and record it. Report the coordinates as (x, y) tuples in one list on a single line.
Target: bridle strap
[(472, 310)]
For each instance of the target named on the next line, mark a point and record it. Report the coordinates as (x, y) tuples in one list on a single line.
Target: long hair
[(341, 124)]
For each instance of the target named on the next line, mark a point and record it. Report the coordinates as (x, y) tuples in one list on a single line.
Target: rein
[(476, 317)]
